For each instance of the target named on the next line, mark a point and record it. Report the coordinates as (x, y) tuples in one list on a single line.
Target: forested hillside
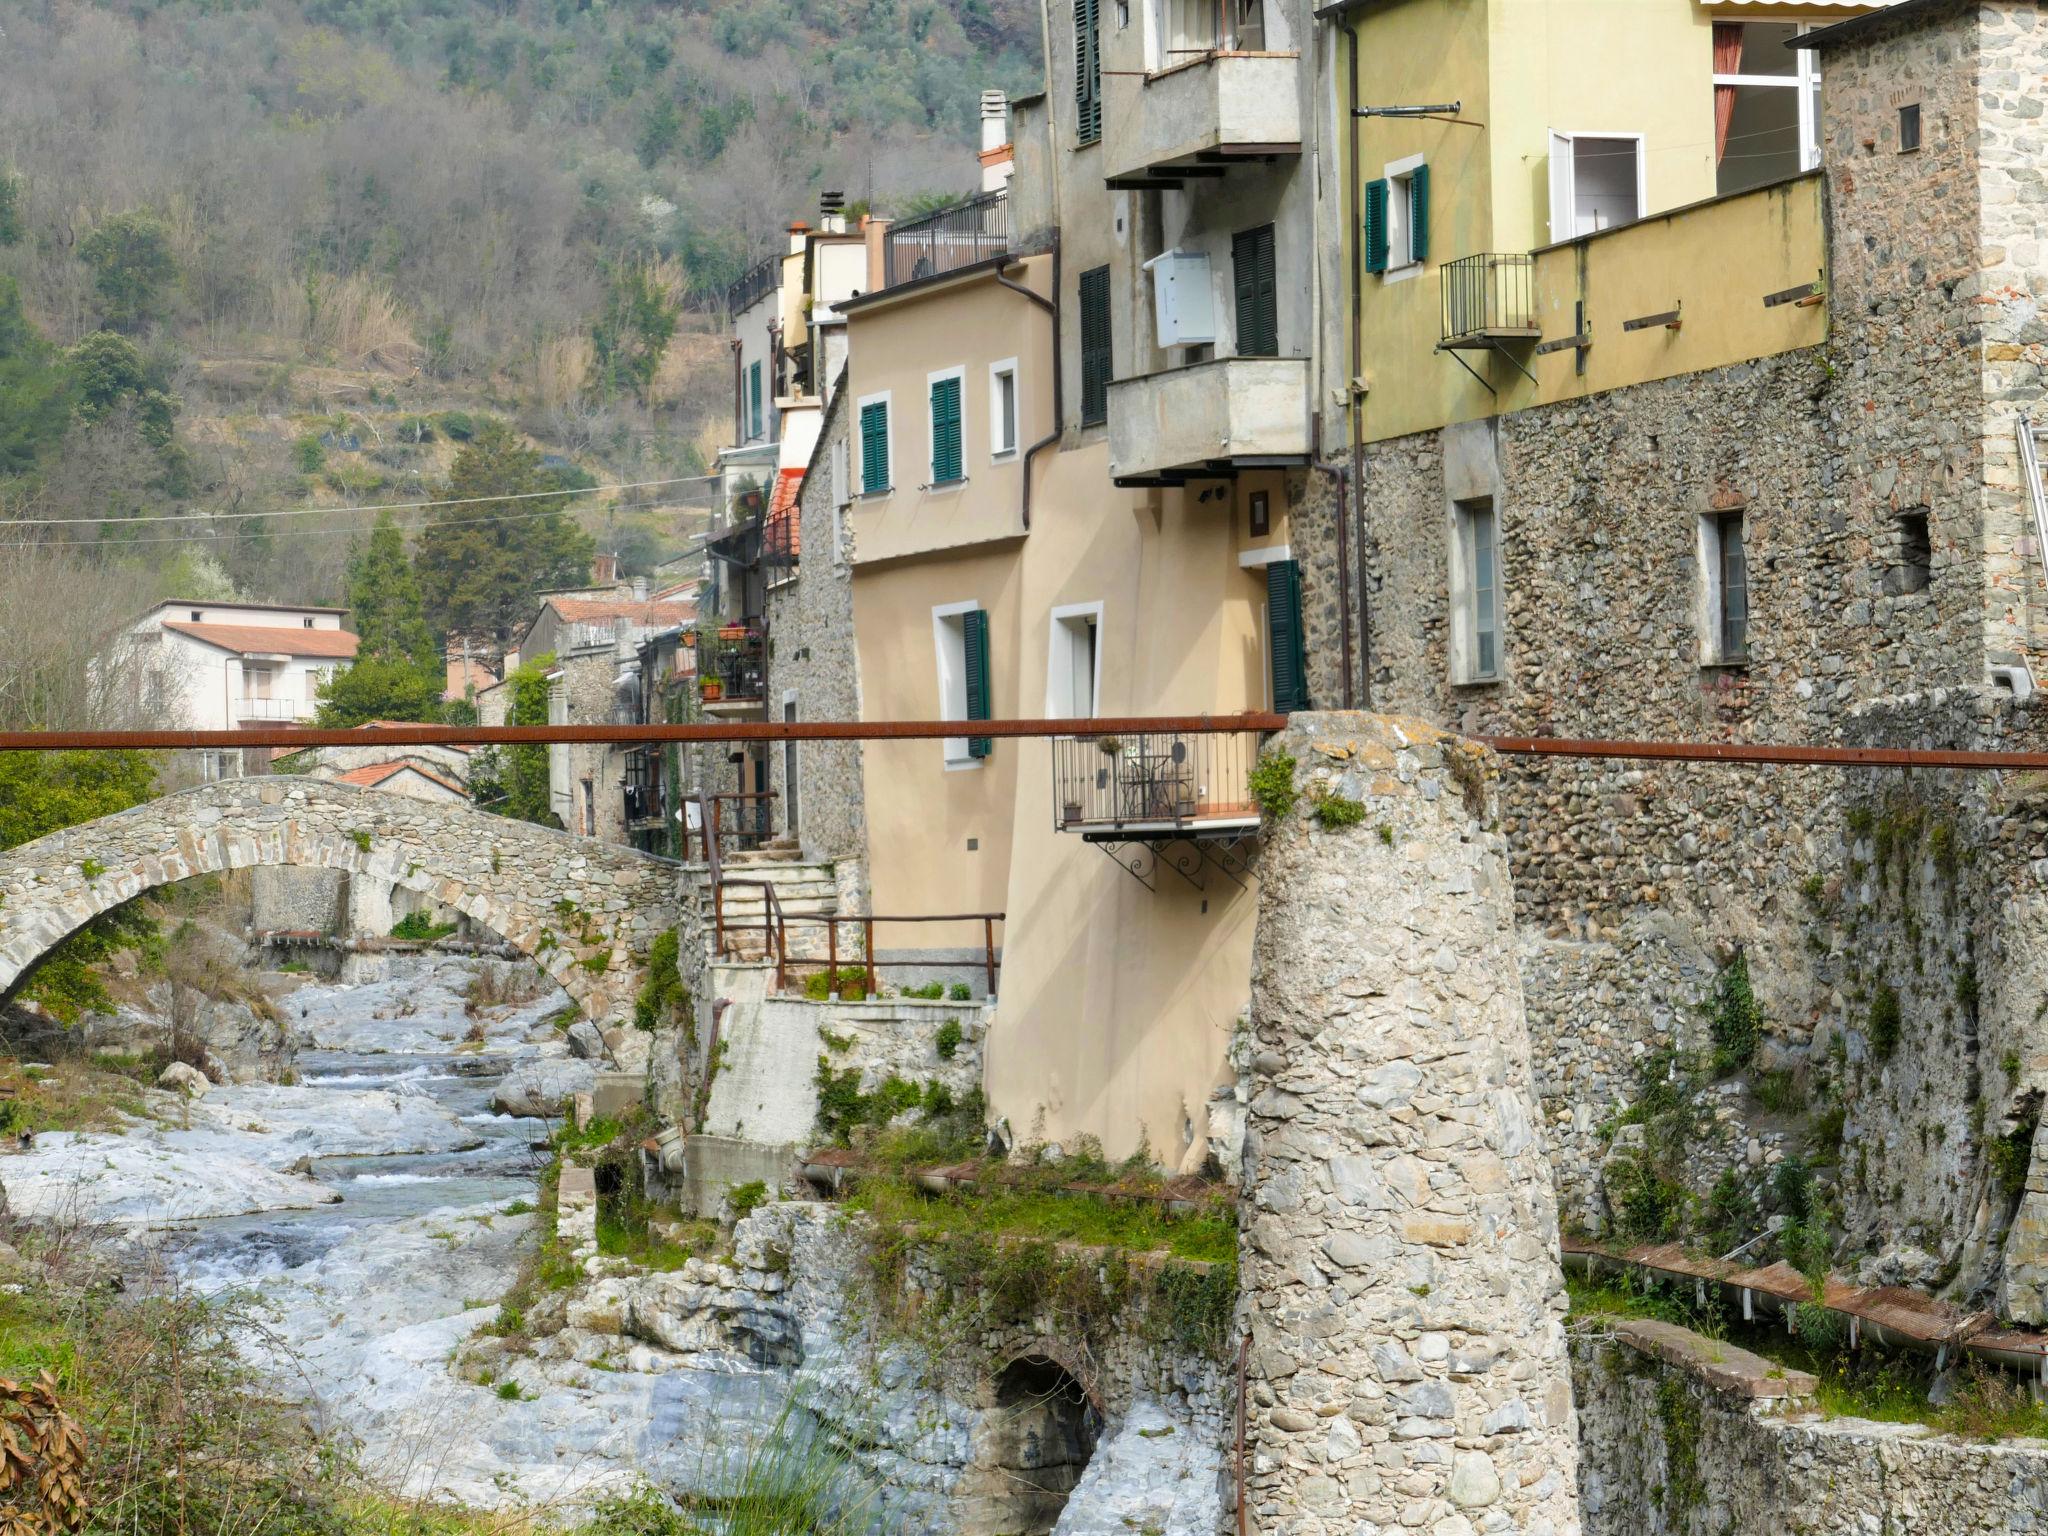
[(260, 253)]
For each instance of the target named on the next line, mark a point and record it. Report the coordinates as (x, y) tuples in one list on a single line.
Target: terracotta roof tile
[(780, 529), (371, 776), (264, 639), (584, 610)]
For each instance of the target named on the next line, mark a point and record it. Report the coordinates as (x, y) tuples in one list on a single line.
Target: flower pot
[(713, 689), (1071, 811)]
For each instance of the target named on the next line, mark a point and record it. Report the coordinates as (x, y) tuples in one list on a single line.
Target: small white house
[(217, 666)]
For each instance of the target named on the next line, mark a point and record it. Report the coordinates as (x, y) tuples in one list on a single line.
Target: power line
[(116, 544), (387, 506)]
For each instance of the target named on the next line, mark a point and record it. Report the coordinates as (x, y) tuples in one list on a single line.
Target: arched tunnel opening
[(1039, 1436)]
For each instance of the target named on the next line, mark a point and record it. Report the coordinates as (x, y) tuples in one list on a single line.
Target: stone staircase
[(800, 885)]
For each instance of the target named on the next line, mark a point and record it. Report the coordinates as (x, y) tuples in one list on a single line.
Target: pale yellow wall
[(920, 812), (896, 347), (1522, 68), (1118, 1001)]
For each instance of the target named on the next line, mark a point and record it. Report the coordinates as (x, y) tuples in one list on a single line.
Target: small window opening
[(1909, 127), (198, 615), (1915, 567), (307, 622), (1727, 571)]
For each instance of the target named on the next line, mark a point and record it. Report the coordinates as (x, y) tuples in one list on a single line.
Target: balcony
[(1153, 785), (754, 285), (1194, 118), (945, 241), (732, 668), (1489, 299), (1218, 417), (273, 709)]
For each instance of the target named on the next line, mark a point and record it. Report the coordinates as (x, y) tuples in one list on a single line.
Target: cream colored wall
[(920, 812), (1118, 1001), (896, 348)]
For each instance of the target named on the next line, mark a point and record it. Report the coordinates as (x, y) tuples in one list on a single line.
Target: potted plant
[(712, 688), (1070, 812)]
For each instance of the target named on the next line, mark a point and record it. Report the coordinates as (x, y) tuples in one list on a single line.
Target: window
[(1002, 408), (1726, 567), (1073, 663), (1914, 569), (1596, 182), (945, 427), (1475, 593), (875, 478), (841, 481), (1087, 71), (1258, 303), (1766, 103), (1286, 648), (1397, 217), (790, 774), (307, 622), (1909, 127), (960, 636), (198, 615), (1095, 347), (756, 424)]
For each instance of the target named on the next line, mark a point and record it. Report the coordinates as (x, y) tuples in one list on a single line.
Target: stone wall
[(584, 910), (1399, 1235), (1665, 1453), (584, 777), (810, 629)]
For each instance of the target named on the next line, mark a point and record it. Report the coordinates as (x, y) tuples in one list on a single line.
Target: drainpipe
[(1351, 394), (739, 409), (1059, 412)]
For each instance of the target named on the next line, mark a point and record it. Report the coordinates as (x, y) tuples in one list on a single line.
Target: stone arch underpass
[(586, 911)]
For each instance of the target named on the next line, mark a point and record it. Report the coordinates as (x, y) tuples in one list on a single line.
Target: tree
[(632, 333), (384, 599), (133, 267), (10, 209), (35, 390), (480, 563), (373, 688), (110, 372), (513, 781)]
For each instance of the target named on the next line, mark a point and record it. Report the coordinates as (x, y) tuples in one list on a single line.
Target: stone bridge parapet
[(585, 911)]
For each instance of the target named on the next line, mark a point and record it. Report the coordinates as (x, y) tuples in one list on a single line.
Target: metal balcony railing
[(252, 708), (1154, 782), (945, 241), (1489, 297), (753, 285), (732, 663)]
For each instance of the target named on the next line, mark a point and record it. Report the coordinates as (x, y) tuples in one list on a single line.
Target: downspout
[(1339, 476), (739, 402), (1059, 413), (1351, 386)]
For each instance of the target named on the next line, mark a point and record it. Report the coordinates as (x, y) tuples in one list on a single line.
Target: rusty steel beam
[(630, 735)]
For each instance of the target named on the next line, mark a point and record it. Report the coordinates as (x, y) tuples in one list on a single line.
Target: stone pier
[(1401, 1283)]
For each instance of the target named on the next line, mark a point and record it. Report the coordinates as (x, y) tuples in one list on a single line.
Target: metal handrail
[(750, 286), (943, 241), (1489, 293)]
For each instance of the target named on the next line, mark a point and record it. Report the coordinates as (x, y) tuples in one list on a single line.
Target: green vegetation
[(513, 781), (421, 928), (1271, 782), (947, 1044), (663, 998), (930, 991), (1736, 1018), (853, 984), (1885, 1021), (397, 673), (133, 268), (1335, 811), (2009, 1157), (1678, 1412), (742, 1199), (960, 992), (844, 1107)]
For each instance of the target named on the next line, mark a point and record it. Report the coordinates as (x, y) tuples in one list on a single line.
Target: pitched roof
[(780, 529), (640, 610), (265, 639), (376, 773)]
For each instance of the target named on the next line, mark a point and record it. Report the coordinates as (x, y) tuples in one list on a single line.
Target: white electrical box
[(1183, 303)]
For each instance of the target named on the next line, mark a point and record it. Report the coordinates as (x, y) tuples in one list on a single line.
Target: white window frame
[(1059, 659), (841, 454), (949, 643), (1564, 177), (1465, 669), (1805, 78), (958, 371), (1401, 262), (883, 398), (999, 451)]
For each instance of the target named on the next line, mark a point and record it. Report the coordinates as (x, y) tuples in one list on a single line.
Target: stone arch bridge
[(586, 911)]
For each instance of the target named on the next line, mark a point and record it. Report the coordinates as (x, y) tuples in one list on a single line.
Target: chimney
[(995, 120), (832, 212), (604, 570)]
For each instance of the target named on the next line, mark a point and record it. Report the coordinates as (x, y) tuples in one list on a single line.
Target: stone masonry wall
[(1663, 1453), (1398, 1240), (810, 629), (584, 910)]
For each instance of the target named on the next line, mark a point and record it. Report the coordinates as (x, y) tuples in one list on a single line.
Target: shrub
[(421, 928), (742, 1199), (1781, 1093), (931, 991), (663, 998), (853, 984), (1334, 811), (1886, 1023), (960, 992), (1271, 783), (1737, 1020), (1646, 1206), (948, 1042), (2008, 1157)]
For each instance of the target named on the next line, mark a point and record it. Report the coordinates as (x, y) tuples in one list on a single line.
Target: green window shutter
[(874, 446), (1418, 213), (1376, 226), (1258, 296), (1284, 636), (979, 699), (754, 421), (945, 430), (1088, 70), (1095, 349)]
